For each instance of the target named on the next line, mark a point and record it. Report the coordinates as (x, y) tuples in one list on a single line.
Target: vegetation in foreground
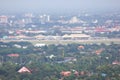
[(83, 61)]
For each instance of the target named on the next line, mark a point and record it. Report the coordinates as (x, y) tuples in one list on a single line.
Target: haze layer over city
[(58, 6), (59, 40)]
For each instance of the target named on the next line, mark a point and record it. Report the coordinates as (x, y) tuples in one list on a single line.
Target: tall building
[(3, 19), (27, 20), (74, 20), (48, 18), (44, 18)]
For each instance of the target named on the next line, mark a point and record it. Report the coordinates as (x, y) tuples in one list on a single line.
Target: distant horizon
[(69, 13), (58, 6)]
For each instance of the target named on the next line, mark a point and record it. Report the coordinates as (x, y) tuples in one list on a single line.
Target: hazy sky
[(57, 5)]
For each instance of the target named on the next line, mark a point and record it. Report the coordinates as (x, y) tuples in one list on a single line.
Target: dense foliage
[(91, 61)]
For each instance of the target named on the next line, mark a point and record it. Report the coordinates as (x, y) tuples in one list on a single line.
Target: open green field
[(106, 41)]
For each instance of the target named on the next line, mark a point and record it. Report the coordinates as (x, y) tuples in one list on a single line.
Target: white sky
[(57, 5)]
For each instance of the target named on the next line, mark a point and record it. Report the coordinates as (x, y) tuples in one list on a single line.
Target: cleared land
[(106, 41)]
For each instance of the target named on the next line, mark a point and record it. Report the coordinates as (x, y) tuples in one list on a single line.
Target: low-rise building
[(76, 37)]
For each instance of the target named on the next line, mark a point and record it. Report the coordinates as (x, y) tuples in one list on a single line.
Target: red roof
[(76, 73), (116, 62), (82, 73), (24, 70), (13, 55), (98, 52), (80, 47), (65, 73), (101, 30)]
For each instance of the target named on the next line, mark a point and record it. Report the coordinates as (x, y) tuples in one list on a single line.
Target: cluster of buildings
[(3, 19), (76, 33), (23, 20), (46, 27)]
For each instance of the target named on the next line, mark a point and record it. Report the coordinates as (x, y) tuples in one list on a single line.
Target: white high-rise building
[(44, 18), (3, 19), (48, 18), (74, 20)]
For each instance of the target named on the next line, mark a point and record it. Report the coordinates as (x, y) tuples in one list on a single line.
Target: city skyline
[(57, 6)]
